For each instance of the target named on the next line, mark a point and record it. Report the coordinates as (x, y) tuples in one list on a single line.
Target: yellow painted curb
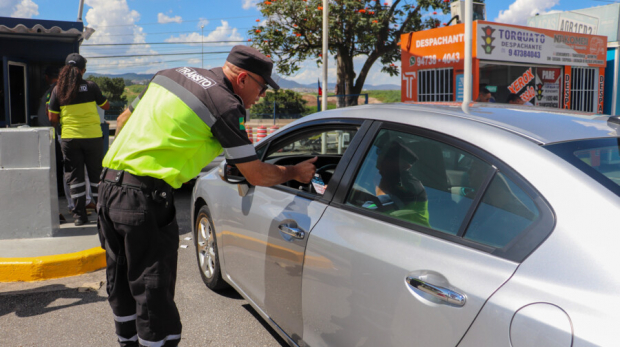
[(51, 266)]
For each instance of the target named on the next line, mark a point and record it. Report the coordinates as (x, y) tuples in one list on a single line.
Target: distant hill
[(282, 82), (127, 76)]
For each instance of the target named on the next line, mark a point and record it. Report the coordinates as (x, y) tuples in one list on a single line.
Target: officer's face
[(255, 88)]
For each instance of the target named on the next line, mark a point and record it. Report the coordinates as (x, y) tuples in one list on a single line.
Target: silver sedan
[(426, 226)]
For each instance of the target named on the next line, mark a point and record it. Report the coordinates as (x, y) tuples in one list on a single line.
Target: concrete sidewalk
[(73, 251)]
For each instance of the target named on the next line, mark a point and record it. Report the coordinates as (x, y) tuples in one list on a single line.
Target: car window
[(598, 158), (328, 143), (505, 211), (313, 143), (418, 180)]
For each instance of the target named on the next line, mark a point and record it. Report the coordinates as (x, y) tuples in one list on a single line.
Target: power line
[(160, 62), (151, 55), (182, 21), (157, 43), (176, 32)]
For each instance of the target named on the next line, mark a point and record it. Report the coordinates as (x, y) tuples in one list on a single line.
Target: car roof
[(539, 124)]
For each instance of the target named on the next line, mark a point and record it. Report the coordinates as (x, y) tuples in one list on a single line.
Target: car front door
[(264, 239), (414, 244)]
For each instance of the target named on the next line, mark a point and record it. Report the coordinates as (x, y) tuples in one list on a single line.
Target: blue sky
[(152, 25)]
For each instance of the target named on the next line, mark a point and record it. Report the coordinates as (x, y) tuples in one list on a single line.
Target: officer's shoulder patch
[(241, 123)]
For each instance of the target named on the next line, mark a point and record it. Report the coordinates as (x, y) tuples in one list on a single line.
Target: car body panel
[(260, 259), (575, 269), (357, 294)]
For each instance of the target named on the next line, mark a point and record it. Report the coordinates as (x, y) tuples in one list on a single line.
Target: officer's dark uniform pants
[(138, 229), (77, 153)]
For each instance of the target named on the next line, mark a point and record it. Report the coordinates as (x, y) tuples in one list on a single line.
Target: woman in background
[(74, 103)]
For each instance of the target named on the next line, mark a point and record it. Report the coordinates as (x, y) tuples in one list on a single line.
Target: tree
[(292, 34), (288, 104), (113, 89)]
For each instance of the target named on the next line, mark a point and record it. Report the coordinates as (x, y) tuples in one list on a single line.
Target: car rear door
[(265, 232), (422, 233)]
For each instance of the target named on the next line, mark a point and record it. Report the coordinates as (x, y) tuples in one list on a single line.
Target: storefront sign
[(460, 87), (567, 79), (528, 94), (538, 46), (437, 48), (521, 82), (548, 85), (601, 85), (599, 20)]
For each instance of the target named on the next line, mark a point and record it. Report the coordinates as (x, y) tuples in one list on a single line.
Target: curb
[(51, 266)]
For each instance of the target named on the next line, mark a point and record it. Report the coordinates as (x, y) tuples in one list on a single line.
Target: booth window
[(435, 85), (583, 89)]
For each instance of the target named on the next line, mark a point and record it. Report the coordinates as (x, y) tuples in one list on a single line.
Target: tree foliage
[(292, 34), (287, 103), (113, 89)]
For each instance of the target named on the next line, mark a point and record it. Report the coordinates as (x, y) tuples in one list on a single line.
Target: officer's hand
[(304, 171)]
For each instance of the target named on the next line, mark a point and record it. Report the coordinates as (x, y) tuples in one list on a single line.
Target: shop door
[(17, 94), (584, 89)]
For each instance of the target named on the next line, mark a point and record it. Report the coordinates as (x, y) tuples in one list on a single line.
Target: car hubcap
[(206, 251)]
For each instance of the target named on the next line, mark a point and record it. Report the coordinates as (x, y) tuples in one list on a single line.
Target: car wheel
[(207, 252)]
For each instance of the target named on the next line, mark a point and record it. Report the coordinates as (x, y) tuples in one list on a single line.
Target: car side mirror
[(231, 174)]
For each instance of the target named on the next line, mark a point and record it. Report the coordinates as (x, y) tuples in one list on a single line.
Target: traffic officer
[(73, 103), (181, 122)]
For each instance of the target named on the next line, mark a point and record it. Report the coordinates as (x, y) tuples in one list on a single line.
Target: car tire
[(207, 252)]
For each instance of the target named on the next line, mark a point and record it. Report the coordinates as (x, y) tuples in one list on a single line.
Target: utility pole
[(325, 52), (80, 9), (202, 47), (468, 78)]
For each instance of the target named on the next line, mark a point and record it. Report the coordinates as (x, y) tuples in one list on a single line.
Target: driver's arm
[(263, 174)]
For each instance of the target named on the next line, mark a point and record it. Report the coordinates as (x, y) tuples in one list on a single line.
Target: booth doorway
[(17, 94)]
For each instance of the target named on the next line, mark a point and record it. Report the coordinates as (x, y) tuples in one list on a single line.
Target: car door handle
[(444, 294), (294, 232)]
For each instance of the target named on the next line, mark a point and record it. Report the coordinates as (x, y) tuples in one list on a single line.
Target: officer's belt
[(124, 178)]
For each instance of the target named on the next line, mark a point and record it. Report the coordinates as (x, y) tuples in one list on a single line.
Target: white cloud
[(222, 33), (202, 22), (18, 8), (519, 11), (248, 4), (115, 23), (163, 19), (310, 73)]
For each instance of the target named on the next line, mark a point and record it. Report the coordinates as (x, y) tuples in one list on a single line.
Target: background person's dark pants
[(76, 154), (141, 238)]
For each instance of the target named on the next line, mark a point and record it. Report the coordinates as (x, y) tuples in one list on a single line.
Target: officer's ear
[(242, 79)]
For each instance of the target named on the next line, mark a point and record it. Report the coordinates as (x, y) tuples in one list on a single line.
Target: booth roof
[(40, 26)]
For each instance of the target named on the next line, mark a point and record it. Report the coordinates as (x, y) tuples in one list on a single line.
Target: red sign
[(521, 82)]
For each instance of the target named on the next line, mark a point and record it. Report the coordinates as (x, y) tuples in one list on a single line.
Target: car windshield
[(599, 158)]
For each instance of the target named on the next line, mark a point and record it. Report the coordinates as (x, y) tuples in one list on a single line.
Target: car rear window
[(599, 158)]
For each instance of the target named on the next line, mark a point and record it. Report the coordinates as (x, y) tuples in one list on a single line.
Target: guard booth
[(545, 67), (599, 20), (29, 46)]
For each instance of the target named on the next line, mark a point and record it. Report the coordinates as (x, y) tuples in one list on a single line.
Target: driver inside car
[(398, 187)]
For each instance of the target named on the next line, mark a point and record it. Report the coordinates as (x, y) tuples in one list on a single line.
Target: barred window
[(435, 85), (583, 89)]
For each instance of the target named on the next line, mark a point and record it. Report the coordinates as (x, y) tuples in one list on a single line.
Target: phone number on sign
[(523, 54)]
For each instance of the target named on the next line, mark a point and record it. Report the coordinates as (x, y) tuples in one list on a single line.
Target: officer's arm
[(105, 106), (53, 117), (263, 174), (121, 120)]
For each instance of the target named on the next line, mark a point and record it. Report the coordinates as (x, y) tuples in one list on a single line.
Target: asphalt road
[(55, 313)]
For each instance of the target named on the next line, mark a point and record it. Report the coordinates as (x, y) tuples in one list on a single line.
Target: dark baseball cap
[(77, 60), (250, 59)]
